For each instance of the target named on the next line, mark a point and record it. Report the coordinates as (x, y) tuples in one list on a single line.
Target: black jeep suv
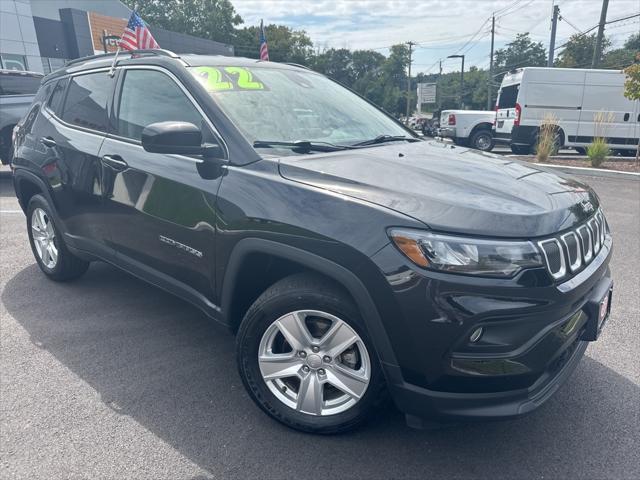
[(353, 260)]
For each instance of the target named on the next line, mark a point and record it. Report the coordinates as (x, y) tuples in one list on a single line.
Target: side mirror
[(179, 138)]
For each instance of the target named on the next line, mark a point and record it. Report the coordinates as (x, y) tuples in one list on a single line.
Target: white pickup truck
[(469, 128)]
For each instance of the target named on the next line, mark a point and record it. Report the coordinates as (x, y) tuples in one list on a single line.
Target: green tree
[(382, 80), (632, 89), (393, 76), (335, 63), (521, 52), (211, 19), (578, 52), (285, 44), (475, 89), (633, 42), (625, 56), (365, 63)]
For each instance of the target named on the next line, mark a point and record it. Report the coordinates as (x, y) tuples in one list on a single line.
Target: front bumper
[(535, 336)]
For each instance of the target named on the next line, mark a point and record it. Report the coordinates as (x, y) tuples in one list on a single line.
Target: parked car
[(431, 126), (17, 89), (352, 259), (574, 99), (469, 128)]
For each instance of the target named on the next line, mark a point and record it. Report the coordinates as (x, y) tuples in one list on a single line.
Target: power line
[(562, 17), (582, 34), (512, 8)]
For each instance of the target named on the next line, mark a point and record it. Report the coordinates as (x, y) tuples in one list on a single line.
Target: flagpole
[(112, 70)]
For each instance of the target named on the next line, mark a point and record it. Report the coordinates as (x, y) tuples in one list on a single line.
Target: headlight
[(471, 256)]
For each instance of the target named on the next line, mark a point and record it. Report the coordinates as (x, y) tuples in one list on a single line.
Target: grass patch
[(598, 151), (548, 138)]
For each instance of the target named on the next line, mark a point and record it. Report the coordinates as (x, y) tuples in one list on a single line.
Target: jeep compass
[(354, 261)]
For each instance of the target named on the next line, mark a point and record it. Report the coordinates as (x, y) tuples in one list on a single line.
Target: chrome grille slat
[(603, 226), (575, 249), (593, 225), (584, 233), (572, 244), (551, 249)]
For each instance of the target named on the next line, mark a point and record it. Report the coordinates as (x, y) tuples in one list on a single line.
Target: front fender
[(343, 276)]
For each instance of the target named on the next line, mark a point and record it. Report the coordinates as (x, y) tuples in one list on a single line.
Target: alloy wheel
[(44, 236), (314, 362)]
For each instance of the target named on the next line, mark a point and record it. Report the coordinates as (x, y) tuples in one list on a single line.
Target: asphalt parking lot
[(108, 377)]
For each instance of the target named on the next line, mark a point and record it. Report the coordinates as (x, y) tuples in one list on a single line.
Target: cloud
[(440, 26)]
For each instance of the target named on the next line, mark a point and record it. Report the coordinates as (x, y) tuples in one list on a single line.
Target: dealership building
[(40, 35)]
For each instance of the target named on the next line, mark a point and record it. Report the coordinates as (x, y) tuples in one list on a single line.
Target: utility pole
[(438, 95), (411, 44), (462, 85), (461, 79), (552, 42), (597, 52), (490, 79)]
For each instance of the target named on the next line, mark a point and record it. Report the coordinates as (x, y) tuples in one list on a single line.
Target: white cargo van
[(574, 97)]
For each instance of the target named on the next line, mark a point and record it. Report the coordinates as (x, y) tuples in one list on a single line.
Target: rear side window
[(57, 96), (150, 96), (86, 101), (508, 96), (19, 84)]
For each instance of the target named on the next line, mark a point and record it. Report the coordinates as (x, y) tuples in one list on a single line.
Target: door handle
[(115, 161), (48, 142)]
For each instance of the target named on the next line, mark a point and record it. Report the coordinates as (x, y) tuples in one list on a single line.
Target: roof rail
[(297, 65), (151, 51)]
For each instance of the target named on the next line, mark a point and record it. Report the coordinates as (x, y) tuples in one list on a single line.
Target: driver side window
[(150, 96)]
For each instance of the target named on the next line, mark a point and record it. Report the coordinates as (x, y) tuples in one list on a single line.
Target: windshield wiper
[(385, 139), (302, 146)]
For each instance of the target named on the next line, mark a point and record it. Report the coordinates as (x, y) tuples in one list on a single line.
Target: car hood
[(451, 189)]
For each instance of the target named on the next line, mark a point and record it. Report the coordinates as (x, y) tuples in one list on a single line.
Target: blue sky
[(442, 27)]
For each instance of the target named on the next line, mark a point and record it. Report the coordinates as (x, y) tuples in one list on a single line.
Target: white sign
[(426, 93)]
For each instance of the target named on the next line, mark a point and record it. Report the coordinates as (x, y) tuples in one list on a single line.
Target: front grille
[(574, 250)]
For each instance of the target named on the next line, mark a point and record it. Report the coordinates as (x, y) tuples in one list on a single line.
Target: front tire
[(51, 253), (305, 358)]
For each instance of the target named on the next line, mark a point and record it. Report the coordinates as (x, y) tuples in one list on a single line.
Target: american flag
[(136, 35), (264, 50)]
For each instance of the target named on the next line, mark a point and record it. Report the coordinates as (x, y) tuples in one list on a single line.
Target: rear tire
[(51, 253), (320, 307), (580, 150), (482, 140), (521, 149)]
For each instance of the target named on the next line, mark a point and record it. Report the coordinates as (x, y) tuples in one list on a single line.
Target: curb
[(594, 172), (584, 157)]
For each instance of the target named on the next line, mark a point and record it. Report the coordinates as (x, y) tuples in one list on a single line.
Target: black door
[(161, 210), (68, 134)]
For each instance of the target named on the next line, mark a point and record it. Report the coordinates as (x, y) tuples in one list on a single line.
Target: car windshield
[(276, 105)]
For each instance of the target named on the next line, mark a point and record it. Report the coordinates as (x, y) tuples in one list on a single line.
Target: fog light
[(475, 336)]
